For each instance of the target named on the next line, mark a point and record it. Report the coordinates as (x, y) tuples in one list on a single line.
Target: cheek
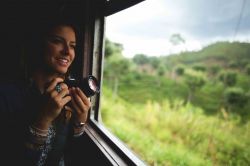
[(52, 51), (72, 55), (49, 53)]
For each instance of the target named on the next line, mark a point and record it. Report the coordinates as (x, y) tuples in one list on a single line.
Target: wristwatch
[(78, 124)]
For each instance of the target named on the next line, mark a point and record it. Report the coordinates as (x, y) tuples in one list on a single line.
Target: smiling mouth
[(63, 61)]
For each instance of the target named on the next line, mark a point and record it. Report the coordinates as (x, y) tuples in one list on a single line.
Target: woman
[(46, 115)]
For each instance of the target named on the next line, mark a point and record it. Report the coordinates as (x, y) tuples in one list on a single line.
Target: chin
[(61, 71)]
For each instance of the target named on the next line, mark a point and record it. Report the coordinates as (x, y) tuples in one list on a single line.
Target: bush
[(180, 70), (228, 78), (235, 97), (194, 80), (214, 69), (248, 69), (199, 68)]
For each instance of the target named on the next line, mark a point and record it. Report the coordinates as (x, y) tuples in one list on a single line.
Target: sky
[(147, 27)]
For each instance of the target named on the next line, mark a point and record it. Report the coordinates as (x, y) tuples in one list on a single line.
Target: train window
[(176, 81)]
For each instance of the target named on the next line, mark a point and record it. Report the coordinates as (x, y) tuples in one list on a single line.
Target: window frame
[(111, 146)]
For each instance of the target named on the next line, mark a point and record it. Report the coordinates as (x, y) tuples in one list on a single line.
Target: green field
[(190, 109)]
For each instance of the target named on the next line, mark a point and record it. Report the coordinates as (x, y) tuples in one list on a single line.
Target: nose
[(66, 49)]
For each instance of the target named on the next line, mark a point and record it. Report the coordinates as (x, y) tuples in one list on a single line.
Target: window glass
[(176, 85)]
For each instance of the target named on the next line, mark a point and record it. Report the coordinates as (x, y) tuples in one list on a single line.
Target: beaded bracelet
[(38, 132)]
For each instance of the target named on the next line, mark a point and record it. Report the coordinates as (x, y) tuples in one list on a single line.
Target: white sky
[(146, 27)]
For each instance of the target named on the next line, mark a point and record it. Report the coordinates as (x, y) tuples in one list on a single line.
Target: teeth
[(64, 60)]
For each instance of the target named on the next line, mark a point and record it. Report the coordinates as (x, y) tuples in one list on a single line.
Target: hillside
[(224, 54), (214, 78), (188, 109)]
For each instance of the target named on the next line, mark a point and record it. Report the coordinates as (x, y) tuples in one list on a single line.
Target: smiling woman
[(47, 123), (55, 45), (60, 43)]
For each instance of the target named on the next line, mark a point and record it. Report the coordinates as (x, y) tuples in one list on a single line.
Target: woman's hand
[(80, 103), (53, 103)]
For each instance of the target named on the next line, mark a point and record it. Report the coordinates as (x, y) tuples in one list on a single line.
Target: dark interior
[(20, 18)]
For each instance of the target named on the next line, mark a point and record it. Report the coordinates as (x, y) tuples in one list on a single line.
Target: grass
[(168, 133)]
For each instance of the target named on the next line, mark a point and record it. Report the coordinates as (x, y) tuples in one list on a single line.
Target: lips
[(62, 61)]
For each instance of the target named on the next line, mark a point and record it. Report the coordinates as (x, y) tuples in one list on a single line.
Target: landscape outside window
[(176, 83)]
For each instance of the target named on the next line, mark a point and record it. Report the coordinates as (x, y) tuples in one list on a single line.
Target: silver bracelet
[(36, 133), (79, 134)]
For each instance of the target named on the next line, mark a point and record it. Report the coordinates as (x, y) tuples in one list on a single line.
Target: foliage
[(150, 113), (112, 48), (179, 70), (194, 80), (235, 96), (228, 78), (176, 39), (169, 133), (248, 69), (193, 86), (199, 68), (154, 61), (214, 69), (140, 59), (161, 70)]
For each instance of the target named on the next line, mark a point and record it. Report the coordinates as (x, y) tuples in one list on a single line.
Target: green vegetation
[(187, 109)]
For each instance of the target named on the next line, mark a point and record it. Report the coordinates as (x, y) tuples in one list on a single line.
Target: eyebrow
[(61, 38)]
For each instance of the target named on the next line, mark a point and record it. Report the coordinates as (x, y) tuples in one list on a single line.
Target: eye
[(55, 40), (73, 46)]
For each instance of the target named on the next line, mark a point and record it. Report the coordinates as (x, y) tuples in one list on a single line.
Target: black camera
[(89, 85)]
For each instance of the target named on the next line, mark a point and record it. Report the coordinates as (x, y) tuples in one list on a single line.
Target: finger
[(65, 100), (67, 108), (53, 83), (79, 102), (83, 97), (64, 86), (76, 107), (53, 94), (68, 112), (63, 93)]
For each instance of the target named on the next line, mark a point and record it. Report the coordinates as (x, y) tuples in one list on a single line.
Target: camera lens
[(90, 86)]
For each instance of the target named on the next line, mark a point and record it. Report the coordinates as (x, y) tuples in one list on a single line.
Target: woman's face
[(60, 49)]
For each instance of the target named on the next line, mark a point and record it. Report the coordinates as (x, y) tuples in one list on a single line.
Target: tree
[(235, 97), (140, 59), (199, 68), (194, 81), (115, 65), (161, 70), (112, 48), (154, 61), (248, 69), (179, 70), (176, 39), (214, 69), (228, 78)]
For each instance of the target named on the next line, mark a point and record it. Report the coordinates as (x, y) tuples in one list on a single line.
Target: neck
[(42, 79)]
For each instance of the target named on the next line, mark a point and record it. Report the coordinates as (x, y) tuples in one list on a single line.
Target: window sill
[(114, 150)]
